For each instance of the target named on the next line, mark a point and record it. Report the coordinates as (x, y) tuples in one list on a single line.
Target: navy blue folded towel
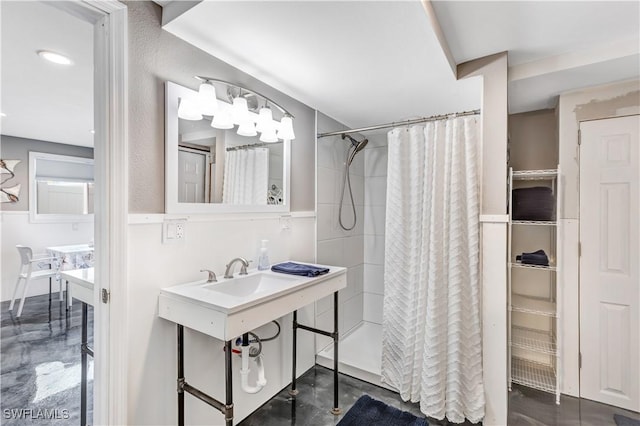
[(299, 269), (538, 257)]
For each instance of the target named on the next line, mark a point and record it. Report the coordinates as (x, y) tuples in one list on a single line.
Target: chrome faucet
[(243, 270), (212, 276)]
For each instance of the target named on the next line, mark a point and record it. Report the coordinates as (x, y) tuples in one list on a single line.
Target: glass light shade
[(207, 99), (286, 129), (265, 119), (222, 120), (269, 135), (239, 110), (188, 110), (247, 128)]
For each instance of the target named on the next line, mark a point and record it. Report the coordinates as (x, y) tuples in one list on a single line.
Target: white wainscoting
[(210, 243), (494, 317)]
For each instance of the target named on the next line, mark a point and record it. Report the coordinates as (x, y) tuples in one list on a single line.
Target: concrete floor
[(40, 370), (527, 407), (40, 363)]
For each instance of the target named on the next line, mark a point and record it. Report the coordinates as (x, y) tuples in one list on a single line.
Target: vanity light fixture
[(207, 98), (188, 109), (265, 119), (247, 128), (241, 108), (54, 57), (222, 119), (269, 136), (286, 128)]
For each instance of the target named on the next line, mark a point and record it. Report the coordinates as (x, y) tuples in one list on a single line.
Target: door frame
[(111, 204)]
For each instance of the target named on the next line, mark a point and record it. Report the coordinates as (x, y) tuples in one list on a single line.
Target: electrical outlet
[(173, 230), (285, 222)]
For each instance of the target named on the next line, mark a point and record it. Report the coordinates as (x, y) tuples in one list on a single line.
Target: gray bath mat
[(370, 412), (625, 421)]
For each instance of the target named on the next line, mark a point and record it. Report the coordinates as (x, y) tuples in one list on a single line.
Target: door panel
[(191, 177), (609, 278)]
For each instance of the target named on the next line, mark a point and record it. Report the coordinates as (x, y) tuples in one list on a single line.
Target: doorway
[(609, 262), (109, 42)]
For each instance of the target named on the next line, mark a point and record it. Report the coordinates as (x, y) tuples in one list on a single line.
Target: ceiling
[(554, 46), (43, 100), (361, 63), (368, 62)]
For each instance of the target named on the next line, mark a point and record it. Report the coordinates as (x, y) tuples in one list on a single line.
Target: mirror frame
[(36, 217), (173, 92)]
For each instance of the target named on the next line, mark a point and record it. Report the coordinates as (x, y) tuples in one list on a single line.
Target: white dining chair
[(28, 273)]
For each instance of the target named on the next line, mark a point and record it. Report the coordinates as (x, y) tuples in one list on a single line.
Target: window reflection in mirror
[(61, 188)]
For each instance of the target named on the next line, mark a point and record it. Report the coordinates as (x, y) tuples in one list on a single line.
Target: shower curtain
[(246, 176), (432, 344)]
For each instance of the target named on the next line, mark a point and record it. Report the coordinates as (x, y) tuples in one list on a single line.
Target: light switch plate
[(173, 230)]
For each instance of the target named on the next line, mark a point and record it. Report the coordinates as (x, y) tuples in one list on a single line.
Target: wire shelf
[(533, 375), (534, 222), (535, 174), (533, 340), (527, 266), (532, 305)]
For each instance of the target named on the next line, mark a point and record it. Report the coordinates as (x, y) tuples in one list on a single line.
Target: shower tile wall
[(375, 190), (335, 245)]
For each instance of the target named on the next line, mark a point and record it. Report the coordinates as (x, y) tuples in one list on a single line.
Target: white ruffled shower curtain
[(432, 343), (246, 176)]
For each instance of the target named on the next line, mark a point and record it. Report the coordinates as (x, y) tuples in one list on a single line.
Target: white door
[(609, 279), (191, 176)]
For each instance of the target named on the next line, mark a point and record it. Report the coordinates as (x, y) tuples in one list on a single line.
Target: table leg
[(180, 375), (83, 379)]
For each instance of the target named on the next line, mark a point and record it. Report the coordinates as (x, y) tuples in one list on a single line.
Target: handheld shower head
[(357, 148), (362, 144)]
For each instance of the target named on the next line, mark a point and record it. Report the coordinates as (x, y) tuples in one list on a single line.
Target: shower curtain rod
[(252, 145), (400, 123)]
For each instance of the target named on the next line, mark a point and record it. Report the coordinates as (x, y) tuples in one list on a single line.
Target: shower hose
[(346, 182)]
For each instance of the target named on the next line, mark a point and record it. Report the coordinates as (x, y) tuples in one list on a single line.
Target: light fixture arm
[(247, 91)]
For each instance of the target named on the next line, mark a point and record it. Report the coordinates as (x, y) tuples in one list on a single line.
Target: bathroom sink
[(230, 307), (248, 285)]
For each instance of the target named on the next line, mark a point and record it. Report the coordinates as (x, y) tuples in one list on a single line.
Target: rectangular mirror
[(208, 170), (61, 188)]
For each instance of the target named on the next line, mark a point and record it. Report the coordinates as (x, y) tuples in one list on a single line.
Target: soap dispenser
[(263, 259)]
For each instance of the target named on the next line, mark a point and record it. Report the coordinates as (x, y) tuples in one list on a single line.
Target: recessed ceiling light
[(2, 114), (56, 58), (93, 132)]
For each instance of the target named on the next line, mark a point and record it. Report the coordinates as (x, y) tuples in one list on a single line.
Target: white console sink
[(231, 307)]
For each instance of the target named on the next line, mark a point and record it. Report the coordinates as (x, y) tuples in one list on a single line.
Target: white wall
[(335, 245), (16, 229), (375, 198), (156, 56), (493, 207), (587, 104), (210, 243)]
